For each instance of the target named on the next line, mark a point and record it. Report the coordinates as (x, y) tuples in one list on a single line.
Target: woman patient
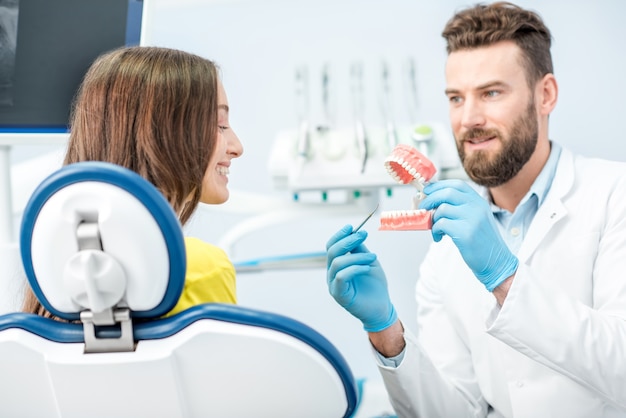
[(162, 113)]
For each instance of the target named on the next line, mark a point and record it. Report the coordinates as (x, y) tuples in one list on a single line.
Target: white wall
[(258, 45)]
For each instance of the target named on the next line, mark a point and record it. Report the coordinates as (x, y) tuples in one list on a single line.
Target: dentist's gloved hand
[(357, 281), (465, 217)]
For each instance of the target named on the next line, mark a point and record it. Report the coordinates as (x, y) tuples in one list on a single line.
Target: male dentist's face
[(492, 112)]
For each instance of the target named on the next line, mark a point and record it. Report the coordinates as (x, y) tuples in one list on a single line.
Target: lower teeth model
[(408, 166)]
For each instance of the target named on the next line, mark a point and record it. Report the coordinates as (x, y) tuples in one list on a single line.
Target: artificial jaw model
[(408, 166)]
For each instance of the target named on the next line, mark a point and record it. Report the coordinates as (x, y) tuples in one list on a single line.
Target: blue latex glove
[(465, 217), (357, 281)]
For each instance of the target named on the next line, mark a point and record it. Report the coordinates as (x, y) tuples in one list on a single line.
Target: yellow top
[(210, 276)]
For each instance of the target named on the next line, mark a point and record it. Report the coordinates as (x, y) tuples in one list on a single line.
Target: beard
[(517, 148)]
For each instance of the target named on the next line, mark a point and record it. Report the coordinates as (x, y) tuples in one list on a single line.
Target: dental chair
[(103, 250)]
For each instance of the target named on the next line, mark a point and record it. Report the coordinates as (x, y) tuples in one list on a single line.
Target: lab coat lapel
[(552, 210)]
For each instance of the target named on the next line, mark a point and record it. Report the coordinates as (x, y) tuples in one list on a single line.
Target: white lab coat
[(557, 347)]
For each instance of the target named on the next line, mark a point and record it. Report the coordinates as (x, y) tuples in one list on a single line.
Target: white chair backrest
[(103, 250)]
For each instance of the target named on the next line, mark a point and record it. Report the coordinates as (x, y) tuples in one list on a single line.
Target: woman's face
[(215, 182)]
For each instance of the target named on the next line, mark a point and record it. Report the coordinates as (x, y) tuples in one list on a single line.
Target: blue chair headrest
[(95, 235)]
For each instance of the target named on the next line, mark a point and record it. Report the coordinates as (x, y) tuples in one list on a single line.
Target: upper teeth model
[(408, 166)]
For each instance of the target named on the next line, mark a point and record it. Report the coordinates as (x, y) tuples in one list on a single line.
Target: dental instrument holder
[(335, 165), (350, 159)]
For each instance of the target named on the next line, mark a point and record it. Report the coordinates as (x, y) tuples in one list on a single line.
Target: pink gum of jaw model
[(408, 166)]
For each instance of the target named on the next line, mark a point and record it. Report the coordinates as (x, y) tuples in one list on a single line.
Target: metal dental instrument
[(328, 118), (366, 219), (421, 135), (302, 106), (358, 97), (411, 89), (391, 132)]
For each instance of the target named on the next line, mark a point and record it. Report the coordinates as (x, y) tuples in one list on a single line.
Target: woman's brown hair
[(152, 110)]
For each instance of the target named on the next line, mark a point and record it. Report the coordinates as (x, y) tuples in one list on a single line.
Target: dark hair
[(483, 25)]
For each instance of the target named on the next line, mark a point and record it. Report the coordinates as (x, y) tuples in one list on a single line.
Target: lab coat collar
[(552, 210)]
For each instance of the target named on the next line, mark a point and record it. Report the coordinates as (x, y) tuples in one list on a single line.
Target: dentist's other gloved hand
[(357, 281), (465, 217)]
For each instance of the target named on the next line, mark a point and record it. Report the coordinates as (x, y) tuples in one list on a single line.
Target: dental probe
[(366, 219)]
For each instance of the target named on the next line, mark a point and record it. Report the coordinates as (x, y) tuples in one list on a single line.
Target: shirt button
[(520, 384), (515, 231)]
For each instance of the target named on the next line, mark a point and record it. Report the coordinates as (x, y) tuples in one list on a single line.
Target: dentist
[(521, 298)]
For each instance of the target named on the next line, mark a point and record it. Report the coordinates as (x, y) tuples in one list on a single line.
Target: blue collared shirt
[(513, 226)]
